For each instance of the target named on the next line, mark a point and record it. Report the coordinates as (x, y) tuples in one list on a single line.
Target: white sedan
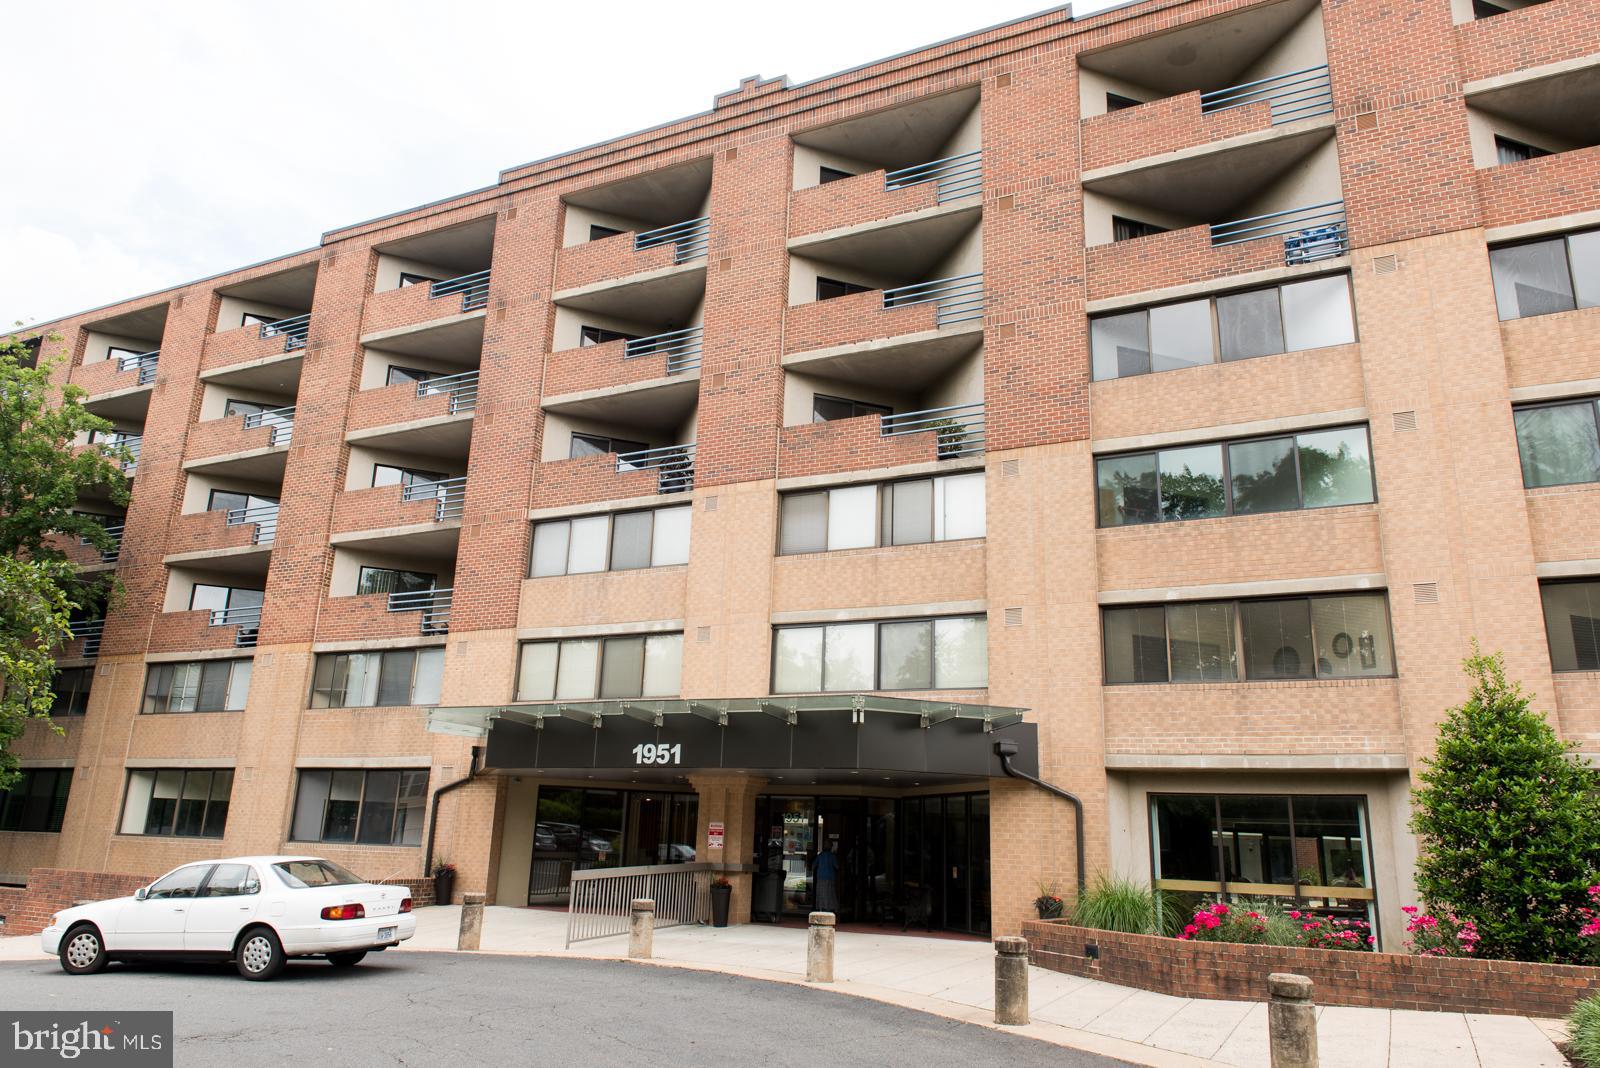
[(254, 911)]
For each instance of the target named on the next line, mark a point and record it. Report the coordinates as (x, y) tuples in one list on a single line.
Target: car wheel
[(346, 960), (260, 954), (83, 952)]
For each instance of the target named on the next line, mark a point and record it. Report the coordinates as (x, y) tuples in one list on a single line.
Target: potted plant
[(444, 882), (721, 894), (1048, 902)]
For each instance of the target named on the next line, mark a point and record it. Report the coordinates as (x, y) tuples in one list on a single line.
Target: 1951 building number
[(659, 753)]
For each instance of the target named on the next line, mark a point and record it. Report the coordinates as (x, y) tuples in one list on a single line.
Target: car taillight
[(344, 912), (405, 906)]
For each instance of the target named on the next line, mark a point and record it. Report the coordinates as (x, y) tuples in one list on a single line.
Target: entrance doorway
[(576, 829), (914, 861)]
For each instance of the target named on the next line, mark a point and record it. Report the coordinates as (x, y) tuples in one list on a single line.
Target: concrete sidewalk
[(955, 979)]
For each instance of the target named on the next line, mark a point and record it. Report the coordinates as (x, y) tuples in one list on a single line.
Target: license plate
[(386, 934)]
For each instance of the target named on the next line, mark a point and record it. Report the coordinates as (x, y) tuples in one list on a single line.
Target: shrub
[(1114, 903), (1446, 935), (1267, 924), (1584, 1027), (1333, 932), (1509, 821)]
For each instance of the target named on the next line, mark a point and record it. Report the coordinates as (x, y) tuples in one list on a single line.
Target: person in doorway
[(825, 870)]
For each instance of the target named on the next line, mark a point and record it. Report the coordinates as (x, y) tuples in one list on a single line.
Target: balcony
[(83, 552), (433, 277), (252, 446), (212, 604), (1533, 114), (261, 319), (628, 474), (226, 539), (411, 375), (652, 224), (387, 590), (822, 436), (418, 509), (432, 608), (85, 641), (650, 379), (119, 363)]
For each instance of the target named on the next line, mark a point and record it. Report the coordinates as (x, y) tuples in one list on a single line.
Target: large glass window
[(582, 669), (393, 580), (1572, 624), (389, 678), (1316, 469), (187, 802), (197, 686), (1333, 636), (37, 801), (1312, 314), (912, 512), (370, 807), (621, 542), (1559, 443), (69, 691), (1541, 277), (232, 500), (946, 653)]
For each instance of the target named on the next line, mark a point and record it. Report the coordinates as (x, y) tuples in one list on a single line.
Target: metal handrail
[(598, 905), (145, 363), (691, 237), (264, 516), (462, 390), (474, 289), (109, 555), (88, 631), (433, 604), (958, 176), (681, 348), (1299, 94), (674, 462), (1310, 233), (281, 420), (959, 299), (293, 330), (134, 443), (449, 493), (249, 616), (958, 428)]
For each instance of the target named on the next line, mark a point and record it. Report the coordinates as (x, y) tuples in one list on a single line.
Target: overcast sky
[(152, 144)]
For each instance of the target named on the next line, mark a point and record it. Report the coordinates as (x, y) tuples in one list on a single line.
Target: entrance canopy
[(832, 738)]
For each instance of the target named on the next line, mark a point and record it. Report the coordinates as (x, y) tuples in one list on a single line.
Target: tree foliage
[(1509, 822)]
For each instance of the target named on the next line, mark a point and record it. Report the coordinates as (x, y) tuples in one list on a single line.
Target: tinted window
[(1559, 444), (300, 874), (1249, 325), (181, 883), (1532, 279), (233, 880), (1572, 624)]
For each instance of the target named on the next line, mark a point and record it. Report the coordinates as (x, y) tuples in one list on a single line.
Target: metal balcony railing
[(958, 176), (449, 495), (144, 363), (474, 289), (88, 631), (681, 347), (108, 556), (958, 428), (959, 299), (133, 443), (691, 237), (673, 463), (1309, 234), (248, 620), (433, 604), (462, 389), (1300, 94), (281, 420), (265, 518), (293, 330)]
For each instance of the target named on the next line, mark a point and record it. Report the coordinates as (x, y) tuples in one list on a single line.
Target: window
[(599, 335), (113, 352), (598, 232), (232, 880), (408, 279), (1315, 469), (1572, 624), (241, 407), (948, 508), (1237, 326), (621, 542), (232, 501), (1128, 229), (186, 802), (1118, 102), (397, 374), (391, 678), (1333, 636), (596, 445), (197, 686), (582, 669), (209, 598), (947, 653), (37, 801), (1542, 277), (393, 580), (254, 319), (1559, 443), (825, 409), (367, 807), (70, 691), (1508, 151), (183, 883), (828, 288), (831, 174), (388, 475)]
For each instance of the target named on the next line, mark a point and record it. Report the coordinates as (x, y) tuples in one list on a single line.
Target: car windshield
[(300, 874)]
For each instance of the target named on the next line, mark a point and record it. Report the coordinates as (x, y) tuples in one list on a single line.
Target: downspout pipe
[(1005, 750), (433, 816)]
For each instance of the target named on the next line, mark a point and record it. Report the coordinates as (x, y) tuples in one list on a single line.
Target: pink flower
[(1411, 909)]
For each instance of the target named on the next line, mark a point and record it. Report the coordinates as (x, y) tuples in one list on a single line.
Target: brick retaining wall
[(1380, 980)]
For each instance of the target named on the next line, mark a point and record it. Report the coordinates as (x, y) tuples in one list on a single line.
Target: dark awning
[(845, 734)]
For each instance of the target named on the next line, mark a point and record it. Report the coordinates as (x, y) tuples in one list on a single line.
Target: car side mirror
[(141, 893)]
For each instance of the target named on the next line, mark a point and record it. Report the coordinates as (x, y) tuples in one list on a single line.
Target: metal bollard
[(641, 928), (471, 922), (1010, 980), (819, 948), (1291, 1021)]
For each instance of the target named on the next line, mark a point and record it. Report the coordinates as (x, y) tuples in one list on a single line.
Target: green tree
[(1509, 821), (42, 476)]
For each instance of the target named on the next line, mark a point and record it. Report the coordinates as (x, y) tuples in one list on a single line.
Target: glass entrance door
[(576, 829)]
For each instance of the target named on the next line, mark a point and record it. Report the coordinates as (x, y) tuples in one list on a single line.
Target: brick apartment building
[(1169, 393)]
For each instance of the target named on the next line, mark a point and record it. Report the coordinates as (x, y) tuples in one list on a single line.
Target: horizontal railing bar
[(447, 286), (674, 232), (227, 617), (1263, 81), (1257, 233), (1280, 214), (1277, 92), (418, 600)]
